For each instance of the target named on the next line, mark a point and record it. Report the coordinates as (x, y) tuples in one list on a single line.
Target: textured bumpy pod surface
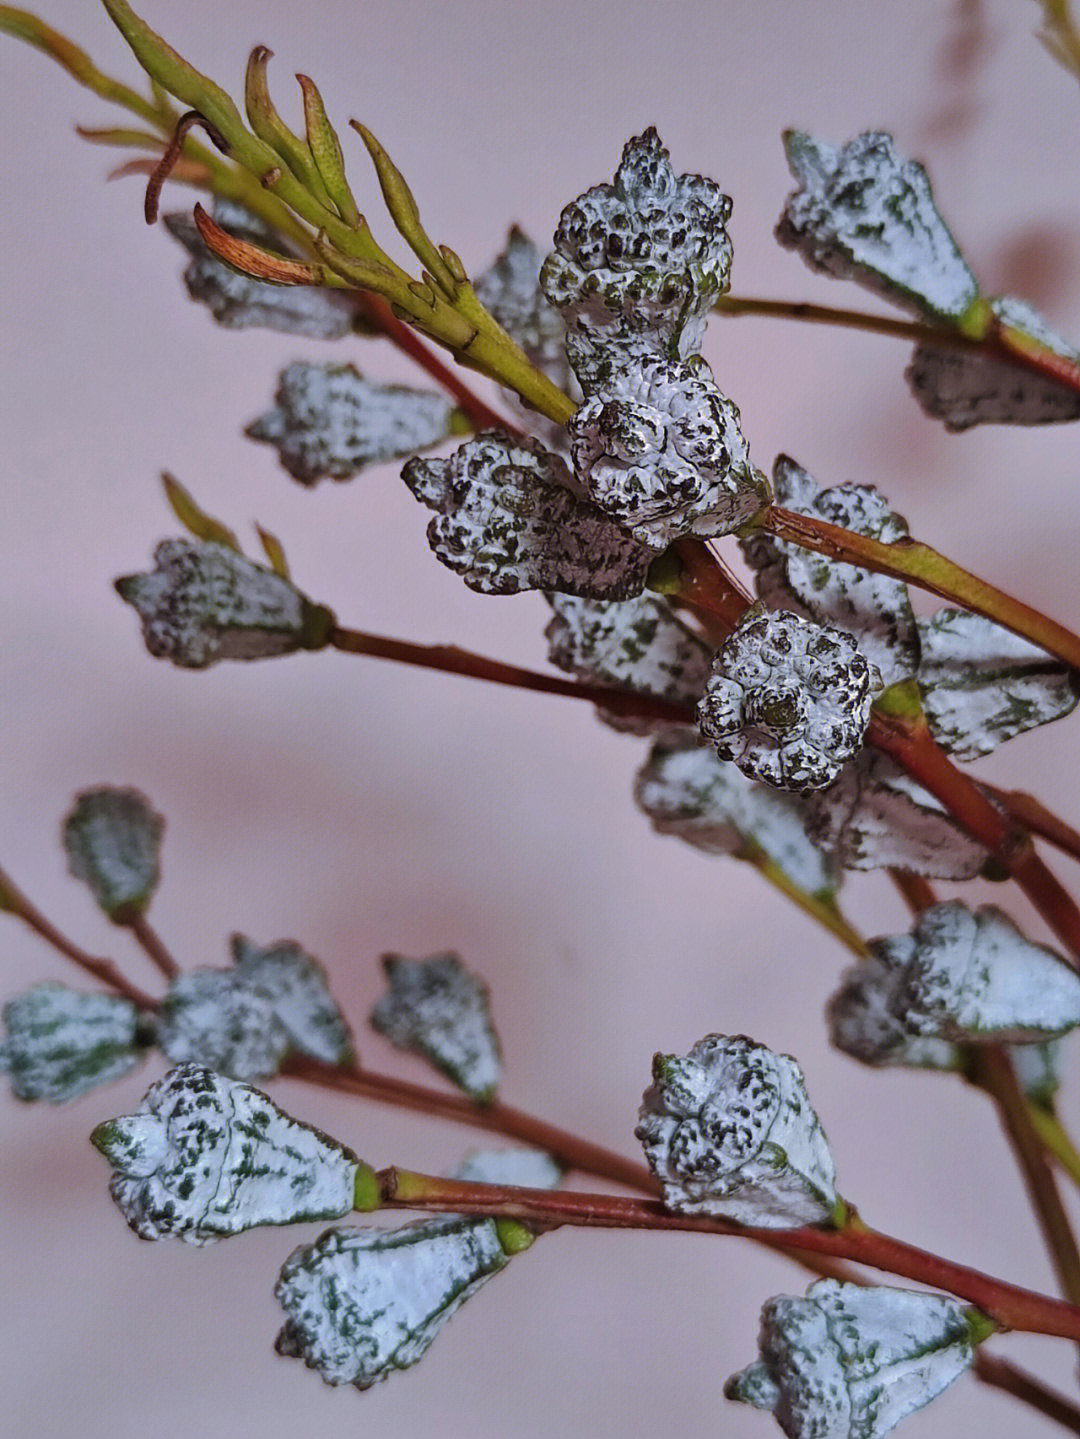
[(296, 986), (981, 684), (507, 521), (362, 1303), (436, 1008), (659, 449), (729, 1131), (60, 1044), (875, 816), (203, 602), (788, 700), (968, 387), (112, 839), (851, 1361), (239, 302), (639, 644), (209, 1017), (638, 264), (688, 791), (204, 1157), (873, 608), (970, 975), (328, 422), (864, 213)]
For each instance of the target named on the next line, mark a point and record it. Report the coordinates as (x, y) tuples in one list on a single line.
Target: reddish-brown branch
[(918, 893), (153, 946), (1007, 1304), (1000, 1374), (1034, 815)]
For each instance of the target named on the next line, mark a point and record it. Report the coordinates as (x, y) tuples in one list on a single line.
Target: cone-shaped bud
[(970, 975), (60, 1044), (863, 1022), (639, 644), (864, 213), (788, 700), (362, 1303), (688, 791), (506, 521), (203, 602), (329, 422), (240, 302), (659, 449), (873, 608), (112, 839), (729, 1131), (640, 261), (436, 1008), (850, 1361), (205, 1157), (209, 1017), (973, 387), (297, 988)]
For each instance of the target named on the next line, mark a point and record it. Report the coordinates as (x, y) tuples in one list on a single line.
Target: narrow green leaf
[(76, 62), (272, 130), (195, 520), (325, 148), (274, 552)]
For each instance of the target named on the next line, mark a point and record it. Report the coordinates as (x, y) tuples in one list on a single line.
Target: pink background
[(358, 807)]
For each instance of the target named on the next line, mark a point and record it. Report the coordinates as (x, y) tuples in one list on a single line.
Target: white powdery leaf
[(436, 1008), (205, 1157), (981, 684), (297, 988), (863, 1022), (203, 602), (659, 449), (640, 645), (875, 816), (524, 1168), (971, 976), (211, 1017), (851, 1361), (688, 791), (729, 1131), (872, 607), (638, 263), (507, 521), (363, 1303), (1038, 1068), (329, 422), (966, 387), (864, 213), (60, 1044), (112, 839), (510, 291), (240, 302), (788, 700)]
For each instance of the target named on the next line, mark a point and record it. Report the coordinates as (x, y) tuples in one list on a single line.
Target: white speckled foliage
[(60, 1044), (874, 608), (638, 264), (788, 700), (240, 302), (526, 1168), (203, 602), (659, 449), (363, 1303), (966, 387), (875, 816), (204, 1157), (864, 213), (507, 520), (298, 990), (328, 422), (981, 684), (112, 838), (436, 1008), (971, 976), (729, 1131), (851, 1361), (688, 791), (640, 644)]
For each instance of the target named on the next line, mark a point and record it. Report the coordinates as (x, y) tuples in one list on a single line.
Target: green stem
[(1008, 1305), (1055, 1140), (919, 564), (821, 908), (76, 62)]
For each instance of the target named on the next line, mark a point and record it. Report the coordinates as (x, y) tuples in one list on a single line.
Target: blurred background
[(358, 807)]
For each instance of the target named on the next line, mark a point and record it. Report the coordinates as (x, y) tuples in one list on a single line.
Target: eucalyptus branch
[(153, 945), (1008, 1305), (1055, 1140), (1034, 815), (917, 892), (1001, 1374), (14, 902)]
